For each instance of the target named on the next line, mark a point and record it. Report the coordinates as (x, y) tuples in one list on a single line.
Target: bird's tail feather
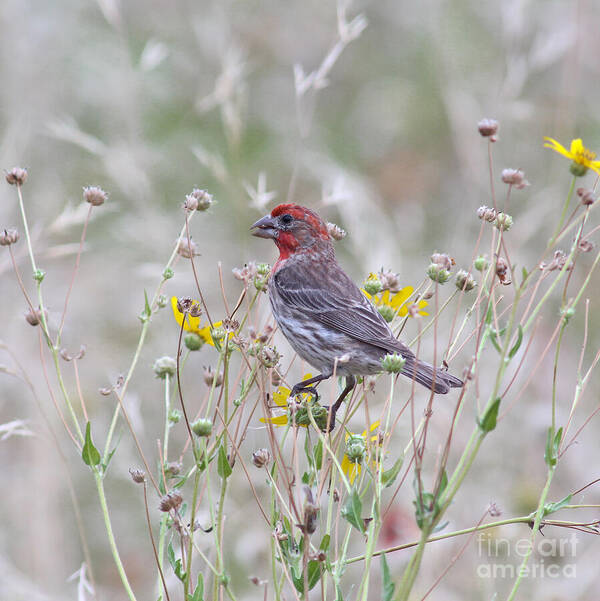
[(432, 378)]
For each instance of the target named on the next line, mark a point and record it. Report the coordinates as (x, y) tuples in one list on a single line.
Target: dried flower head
[(16, 176), (335, 231), (187, 248), (486, 213), (443, 260), (34, 316), (95, 195), (515, 178), (211, 377), (558, 262), (184, 304), (464, 281), (311, 512), (261, 457), (8, 237), (138, 476), (173, 468), (586, 246), (269, 356), (247, 273), (198, 200), (488, 127), (587, 196), (502, 271), (172, 500)]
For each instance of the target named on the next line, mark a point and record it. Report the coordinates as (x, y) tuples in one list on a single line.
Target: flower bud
[(373, 286), (567, 312), (218, 334), (168, 273), (261, 457), (356, 448), (193, 341), (16, 176), (175, 416), (393, 363), (335, 231), (171, 500), (438, 274), (388, 313), (503, 221), (173, 468), (202, 427), (162, 301), (39, 275), (464, 281), (8, 237), (165, 366), (481, 263), (488, 127), (95, 195), (514, 177), (443, 260), (263, 269), (138, 476)]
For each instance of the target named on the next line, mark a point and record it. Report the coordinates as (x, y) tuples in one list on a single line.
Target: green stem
[(564, 213), (111, 537)]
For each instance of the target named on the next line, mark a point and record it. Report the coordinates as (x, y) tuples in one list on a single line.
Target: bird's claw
[(298, 390)]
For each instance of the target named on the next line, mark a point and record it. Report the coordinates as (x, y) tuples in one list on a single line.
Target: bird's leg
[(350, 384), (305, 386)]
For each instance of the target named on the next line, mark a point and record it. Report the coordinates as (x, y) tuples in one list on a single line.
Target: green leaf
[(488, 422), (443, 484), (552, 445), (199, 590), (517, 344), (524, 273), (318, 454), (223, 468), (109, 457), (352, 510), (552, 507), (493, 339), (325, 543), (388, 476), (388, 584), (175, 563), (490, 313), (89, 453)]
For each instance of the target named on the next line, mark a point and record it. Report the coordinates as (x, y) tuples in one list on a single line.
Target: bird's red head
[(293, 228)]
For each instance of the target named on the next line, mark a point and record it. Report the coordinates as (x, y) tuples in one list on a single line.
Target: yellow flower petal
[(350, 469), (557, 147), (401, 297), (281, 395), (279, 420), (576, 147)]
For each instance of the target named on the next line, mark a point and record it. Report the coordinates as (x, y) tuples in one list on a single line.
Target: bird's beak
[(265, 228)]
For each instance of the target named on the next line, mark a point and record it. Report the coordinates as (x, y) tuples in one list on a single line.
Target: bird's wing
[(341, 306)]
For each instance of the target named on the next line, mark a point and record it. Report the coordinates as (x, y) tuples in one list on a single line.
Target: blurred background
[(150, 99)]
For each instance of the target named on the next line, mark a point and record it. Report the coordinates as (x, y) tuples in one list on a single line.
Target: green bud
[(356, 448), (503, 221), (202, 427), (168, 273), (373, 286), (260, 283), (464, 281), (567, 313), (217, 334), (263, 269), (38, 275), (175, 416), (387, 312), (165, 366), (269, 356), (437, 273), (577, 169), (193, 341), (393, 363), (481, 263), (162, 301)]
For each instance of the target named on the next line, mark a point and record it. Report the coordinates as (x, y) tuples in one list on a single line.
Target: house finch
[(322, 312)]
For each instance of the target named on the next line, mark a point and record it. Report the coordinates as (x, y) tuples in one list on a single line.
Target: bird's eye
[(286, 219)]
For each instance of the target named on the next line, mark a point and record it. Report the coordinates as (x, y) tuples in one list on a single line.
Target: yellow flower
[(582, 157), (356, 449), (192, 324), (281, 396), (396, 302)]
